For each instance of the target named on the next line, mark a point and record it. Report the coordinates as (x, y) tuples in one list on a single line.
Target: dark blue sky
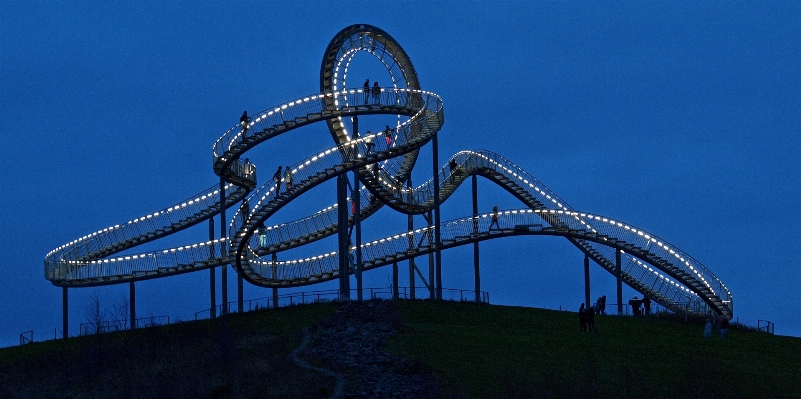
[(679, 118)]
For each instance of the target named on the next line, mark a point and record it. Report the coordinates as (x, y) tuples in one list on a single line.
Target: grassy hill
[(477, 351)]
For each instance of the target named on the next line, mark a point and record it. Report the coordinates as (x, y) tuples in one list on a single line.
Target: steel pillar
[(64, 313), (212, 275), (275, 290), (240, 292), (619, 278), (357, 222), (132, 299), (411, 245), (223, 249), (587, 281), (437, 245), (432, 286), (342, 234), (476, 268), (395, 294)]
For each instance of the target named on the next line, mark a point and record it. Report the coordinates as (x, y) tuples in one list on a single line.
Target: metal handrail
[(26, 337), (306, 297)]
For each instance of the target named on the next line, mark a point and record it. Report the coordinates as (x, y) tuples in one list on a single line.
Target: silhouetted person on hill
[(376, 93), (243, 120), (590, 315), (602, 308), (646, 304), (277, 178), (708, 329), (582, 318), (635, 305), (495, 222), (366, 90), (724, 326)]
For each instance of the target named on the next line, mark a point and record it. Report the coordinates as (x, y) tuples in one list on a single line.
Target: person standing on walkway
[(376, 93), (388, 136), (262, 231), (277, 178), (495, 222), (245, 210), (288, 178), (368, 141), (243, 121), (366, 90)]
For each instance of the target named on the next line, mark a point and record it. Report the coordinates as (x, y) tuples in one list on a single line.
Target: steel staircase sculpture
[(653, 267)]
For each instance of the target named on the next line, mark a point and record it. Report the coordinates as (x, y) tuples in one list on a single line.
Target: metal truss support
[(65, 332), (342, 234), (212, 275), (476, 267), (224, 250), (437, 244), (132, 305), (587, 281), (619, 279)]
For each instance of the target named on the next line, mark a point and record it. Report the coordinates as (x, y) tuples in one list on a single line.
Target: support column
[(476, 268), (357, 223), (411, 245), (432, 286), (223, 250), (240, 292), (619, 278), (64, 313), (132, 296), (587, 281), (212, 275), (275, 274), (437, 241), (342, 234), (395, 294)]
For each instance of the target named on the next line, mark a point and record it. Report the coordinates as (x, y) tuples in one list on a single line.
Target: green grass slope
[(485, 351), (478, 351)]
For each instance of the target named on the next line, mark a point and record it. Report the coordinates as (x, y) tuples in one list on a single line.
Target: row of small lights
[(315, 158), (639, 233), (576, 214), (512, 212), (265, 114), (137, 220), (147, 255), (605, 220)]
